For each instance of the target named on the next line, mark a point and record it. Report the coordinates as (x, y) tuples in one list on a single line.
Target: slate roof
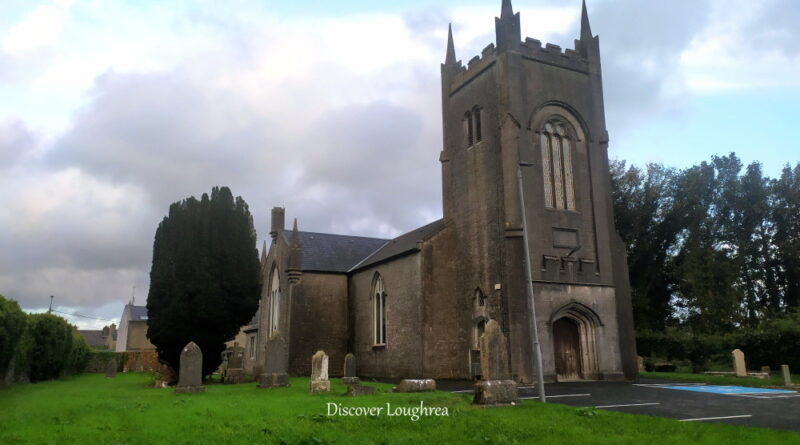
[(138, 313), (402, 244), (324, 252), (93, 338)]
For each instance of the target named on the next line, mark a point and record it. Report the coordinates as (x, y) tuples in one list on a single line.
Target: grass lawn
[(90, 409), (773, 380)]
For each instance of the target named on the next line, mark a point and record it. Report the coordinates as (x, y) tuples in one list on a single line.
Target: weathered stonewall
[(350, 370), (275, 363), (787, 377), (496, 386), (415, 385), (111, 369), (190, 378), (738, 363), (319, 373), (234, 372)]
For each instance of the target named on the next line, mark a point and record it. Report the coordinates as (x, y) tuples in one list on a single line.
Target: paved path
[(692, 403)]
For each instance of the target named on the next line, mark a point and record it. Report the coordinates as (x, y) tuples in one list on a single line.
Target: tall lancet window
[(379, 311), (556, 146), (274, 300)]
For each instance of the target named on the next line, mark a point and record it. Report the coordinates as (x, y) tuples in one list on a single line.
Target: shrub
[(78, 355), (50, 344), (12, 326)]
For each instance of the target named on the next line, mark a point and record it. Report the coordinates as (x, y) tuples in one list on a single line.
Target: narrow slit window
[(379, 308), (476, 113), (468, 128)]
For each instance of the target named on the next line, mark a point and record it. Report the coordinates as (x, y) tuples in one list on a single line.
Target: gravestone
[(319, 373), (640, 361), (190, 378), (787, 377), (738, 363), (496, 386), (275, 363), (234, 372), (350, 370), (111, 369), (766, 370), (415, 385), (358, 389)]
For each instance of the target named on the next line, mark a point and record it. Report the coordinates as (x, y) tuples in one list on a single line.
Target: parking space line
[(563, 395), (717, 418), (629, 404)]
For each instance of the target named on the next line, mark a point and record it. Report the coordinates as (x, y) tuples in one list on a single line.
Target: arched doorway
[(574, 331), (566, 339)]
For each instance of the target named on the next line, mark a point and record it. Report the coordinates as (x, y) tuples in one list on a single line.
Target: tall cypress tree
[(204, 281)]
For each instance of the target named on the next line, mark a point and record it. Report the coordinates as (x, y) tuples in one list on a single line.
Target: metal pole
[(50, 310), (537, 348)]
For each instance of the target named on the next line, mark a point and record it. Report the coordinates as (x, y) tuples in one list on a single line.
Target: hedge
[(43, 346), (775, 342)]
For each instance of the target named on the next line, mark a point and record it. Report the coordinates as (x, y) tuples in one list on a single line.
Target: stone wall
[(401, 357), (319, 321)]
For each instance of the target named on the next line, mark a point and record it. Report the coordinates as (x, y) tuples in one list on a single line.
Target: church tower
[(522, 105)]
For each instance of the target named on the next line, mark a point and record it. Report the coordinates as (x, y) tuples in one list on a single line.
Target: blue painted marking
[(728, 389)]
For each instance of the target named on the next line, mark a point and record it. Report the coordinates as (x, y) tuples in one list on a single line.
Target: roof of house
[(93, 338), (137, 313), (324, 252), (403, 244)]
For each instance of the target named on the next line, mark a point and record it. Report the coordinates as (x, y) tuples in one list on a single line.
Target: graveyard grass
[(93, 409), (773, 381)]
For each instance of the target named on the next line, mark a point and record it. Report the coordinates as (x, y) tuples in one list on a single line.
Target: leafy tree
[(786, 214), (204, 281), (50, 343), (12, 326)]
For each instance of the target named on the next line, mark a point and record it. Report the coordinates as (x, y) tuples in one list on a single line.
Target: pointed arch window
[(379, 311), (473, 129), (274, 301), (556, 145)]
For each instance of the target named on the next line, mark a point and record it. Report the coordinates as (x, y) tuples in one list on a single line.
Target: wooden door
[(566, 340)]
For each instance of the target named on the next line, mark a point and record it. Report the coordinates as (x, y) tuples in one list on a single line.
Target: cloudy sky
[(110, 111)]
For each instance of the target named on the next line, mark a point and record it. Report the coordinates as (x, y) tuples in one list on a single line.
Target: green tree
[(204, 281), (12, 326), (786, 214), (50, 342)]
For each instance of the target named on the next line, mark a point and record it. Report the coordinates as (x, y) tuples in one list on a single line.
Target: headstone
[(234, 373), (640, 361), (496, 386), (415, 385), (350, 370), (787, 378), (190, 377), (766, 370), (111, 369), (319, 373), (275, 363), (359, 390), (738, 363)]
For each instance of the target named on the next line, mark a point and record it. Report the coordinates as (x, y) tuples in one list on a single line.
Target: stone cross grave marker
[(319, 373), (111, 368), (350, 377), (496, 388), (275, 363), (190, 378), (787, 377), (738, 363)]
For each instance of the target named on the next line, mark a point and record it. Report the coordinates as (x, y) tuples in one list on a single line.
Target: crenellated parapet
[(553, 55), (580, 59)]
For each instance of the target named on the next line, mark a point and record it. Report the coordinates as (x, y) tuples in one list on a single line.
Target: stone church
[(416, 305)]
